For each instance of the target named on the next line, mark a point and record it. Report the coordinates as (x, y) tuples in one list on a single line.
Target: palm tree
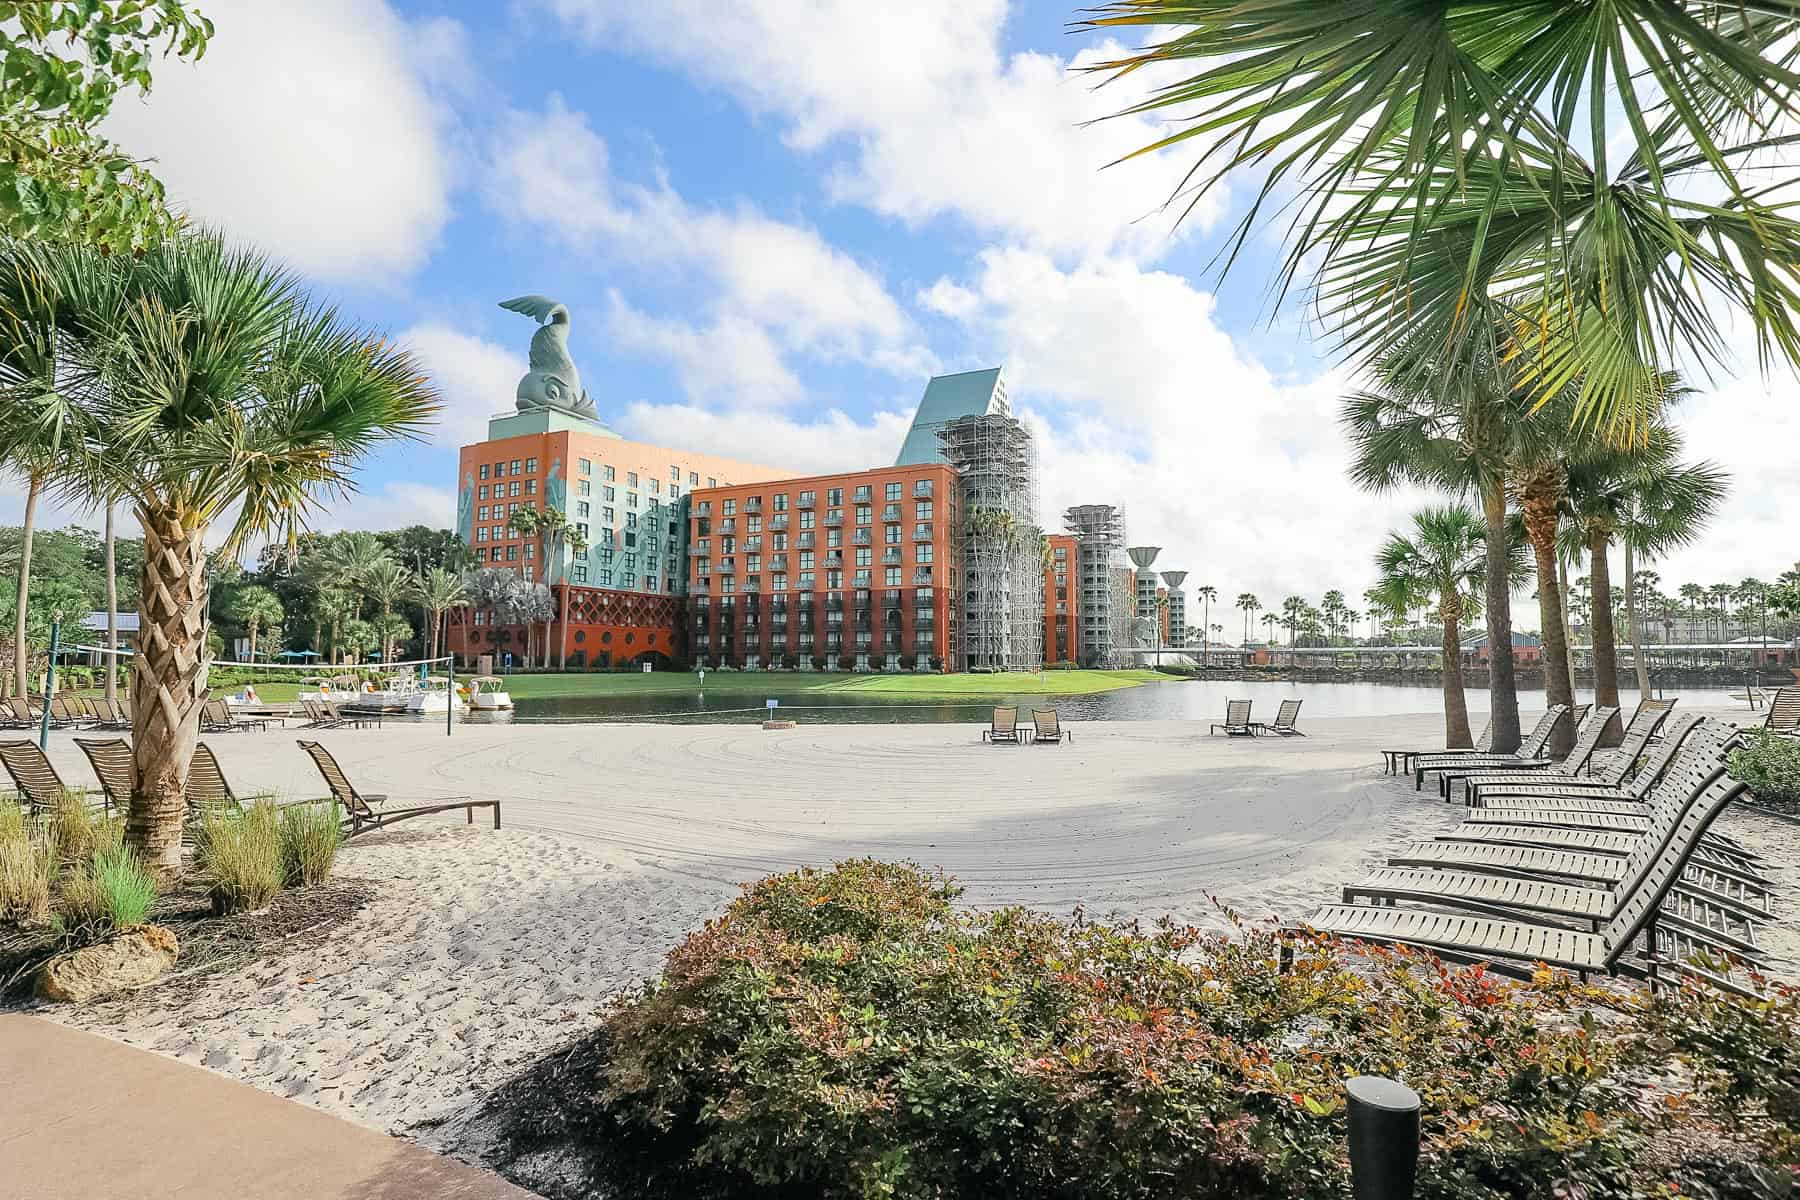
[(200, 382), (437, 592), (1429, 157), (386, 583), (1291, 610), (1207, 593), (1452, 424), (334, 606), (1444, 557), (1250, 604), (1652, 502), (348, 559), (557, 533), (391, 629), (256, 608), (112, 611), (1270, 621)]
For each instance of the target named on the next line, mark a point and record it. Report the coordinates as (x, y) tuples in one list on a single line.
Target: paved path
[(88, 1117)]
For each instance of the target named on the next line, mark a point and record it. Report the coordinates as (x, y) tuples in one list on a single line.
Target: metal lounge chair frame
[(1515, 946), (1784, 711), (1003, 727), (1625, 756), (364, 812), (113, 766), (1047, 728), (1237, 721), (1285, 716), (1531, 747), (1395, 762), (1587, 740), (32, 774)]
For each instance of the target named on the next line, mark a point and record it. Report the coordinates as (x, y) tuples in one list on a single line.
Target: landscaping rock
[(128, 961)]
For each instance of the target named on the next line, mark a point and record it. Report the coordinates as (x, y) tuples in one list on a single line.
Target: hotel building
[(1062, 625), (853, 571)]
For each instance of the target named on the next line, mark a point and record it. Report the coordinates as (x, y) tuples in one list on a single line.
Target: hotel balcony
[(862, 537), (699, 552), (778, 521), (834, 519), (922, 488), (891, 557), (863, 493), (923, 577), (806, 540), (753, 504), (891, 513), (922, 534), (806, 501)]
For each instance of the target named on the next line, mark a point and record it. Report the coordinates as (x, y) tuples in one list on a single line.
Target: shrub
[(28, 858), (128, 887), (310, 837), (240, 852), (855, 1033), (1770, 765)]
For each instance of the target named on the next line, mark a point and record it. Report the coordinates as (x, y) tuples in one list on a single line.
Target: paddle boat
[(488, 694), (434, 697)]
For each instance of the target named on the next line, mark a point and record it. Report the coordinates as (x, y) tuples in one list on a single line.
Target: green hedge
[(855, 1033)]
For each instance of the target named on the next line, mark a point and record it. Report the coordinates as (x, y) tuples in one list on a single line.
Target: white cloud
[(307, 129), (937, 119), (772, 288), (476, 378), (830, 442), (394, 505)]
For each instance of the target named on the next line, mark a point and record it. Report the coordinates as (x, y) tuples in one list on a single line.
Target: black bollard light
[(1384, 1138)]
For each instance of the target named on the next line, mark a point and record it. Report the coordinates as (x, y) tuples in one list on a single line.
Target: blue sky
[(774, 219)]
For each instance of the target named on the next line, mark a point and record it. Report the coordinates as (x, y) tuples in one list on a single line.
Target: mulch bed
[(296, 918)]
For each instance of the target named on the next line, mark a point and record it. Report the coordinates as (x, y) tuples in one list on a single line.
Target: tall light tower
[(1177, 608), (1149, 633)]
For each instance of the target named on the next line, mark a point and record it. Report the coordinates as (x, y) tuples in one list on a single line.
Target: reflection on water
[(1176, 700)]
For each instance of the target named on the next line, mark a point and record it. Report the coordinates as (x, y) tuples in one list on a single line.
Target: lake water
[(1179, 700)]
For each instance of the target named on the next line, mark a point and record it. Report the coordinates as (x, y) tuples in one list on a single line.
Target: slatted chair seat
[(1593, 841), (1784, 711), (365, 811), (114, 767), (32, 774), (1587, 740), (1479, 890), (1402, 760), (207, 788), (66, 714), (1467, 935), (1531, 749), (1003, 726), (23, 713), (1648, 775), (1625, 756), (1237, 721), (1046, 728), (113, 714), (1285, 716)]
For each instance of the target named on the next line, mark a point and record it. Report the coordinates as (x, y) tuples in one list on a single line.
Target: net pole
[(49, 683), (450, 700)]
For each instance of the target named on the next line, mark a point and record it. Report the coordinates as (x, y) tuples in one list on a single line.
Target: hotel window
[(674, 473), (512, 489), (864, 556), (893, 491), (753, 542), (631, 499), (892, 576), (610, 493), (806, 560), (892, 535), (922, 553), (730, 508), (834, 537), (862, 579), (580, 573), (806, 581), (779, 541), (512, 553), (863, 492), (531, 487), (631, 520), (606, 473), (693, 479), (510, 510), (834, 497), (581, 531), (630, 540), (674, 491), (778, 583), (480, 556), (609, 515), (780, 501), (481, 493), (515, 467), (528, 570), (753, 563), (711, 482), (806, 518), (752, 524), (727, 584), (864, 514), (531, 466), (922, 510), (583, 488), (586, 466), (530, 549), (631, 479), (834, 580), (583, 508), (650, 582), (481, 533), (484, 470), (481, 513), (605, 577)]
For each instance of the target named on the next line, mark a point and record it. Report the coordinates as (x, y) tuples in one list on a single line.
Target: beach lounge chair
[(1284, 720), (1047, 729), (1237, 721), (66, 714), (24, 714), (1531, 749), (1625, 756), (1587, 740), (1003, 727), (1514, 945), (341, 718), (364, 812), (14, 714), (1398, 761), (110, 714), (114, 767), (207, 787), (1784, 711), (36, 780)]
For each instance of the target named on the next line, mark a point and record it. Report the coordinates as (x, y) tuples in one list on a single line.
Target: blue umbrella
[(298, 654)]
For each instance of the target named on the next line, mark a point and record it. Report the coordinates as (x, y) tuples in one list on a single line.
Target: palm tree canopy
[(256, 605), (386, 582), (1644, 494), (1443, 153), (440, 590)]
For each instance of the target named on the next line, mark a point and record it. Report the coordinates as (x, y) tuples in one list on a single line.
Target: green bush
[(128, 887), (82, 831), (240, 852), (28, 859), (310, 837), (1770, 765), (855, 1033)]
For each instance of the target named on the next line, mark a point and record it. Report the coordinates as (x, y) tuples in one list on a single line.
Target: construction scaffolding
[(1002, 551), (1104, 616)]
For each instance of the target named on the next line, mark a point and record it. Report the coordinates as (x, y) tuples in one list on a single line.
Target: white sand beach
[(483, 948)]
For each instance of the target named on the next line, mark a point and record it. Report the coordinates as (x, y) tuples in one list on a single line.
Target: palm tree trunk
[(1540, 526), (252, 632), (1456, 704), (1503, 690), (1606, 664), (21, 658), (169, 685), (562, 626), (1634, 628), (112, 613)]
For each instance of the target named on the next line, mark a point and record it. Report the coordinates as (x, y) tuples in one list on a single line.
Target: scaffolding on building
[(1104, 619), (1003, 547)]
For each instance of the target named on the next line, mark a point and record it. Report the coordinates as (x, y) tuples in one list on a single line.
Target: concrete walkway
[(85, 1116)]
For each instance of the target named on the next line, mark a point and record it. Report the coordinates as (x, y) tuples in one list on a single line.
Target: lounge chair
[(363, 812), (1625, 756), (114, 767), (66, 714), (14, 715), (1045, 728), (1237, 721), (1003, 727), (1531, 749), (1398, 761), (1784, 712), (1284, 720), (109, 714), (1514, 945), (36, 780), (1587, 740), (216, 717), (23, 714), (356, 720), (207, 787)]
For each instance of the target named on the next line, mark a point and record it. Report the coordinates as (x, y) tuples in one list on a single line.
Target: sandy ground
[(483, 949)]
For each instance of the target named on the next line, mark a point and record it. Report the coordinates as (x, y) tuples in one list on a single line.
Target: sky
[(773, 220)]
